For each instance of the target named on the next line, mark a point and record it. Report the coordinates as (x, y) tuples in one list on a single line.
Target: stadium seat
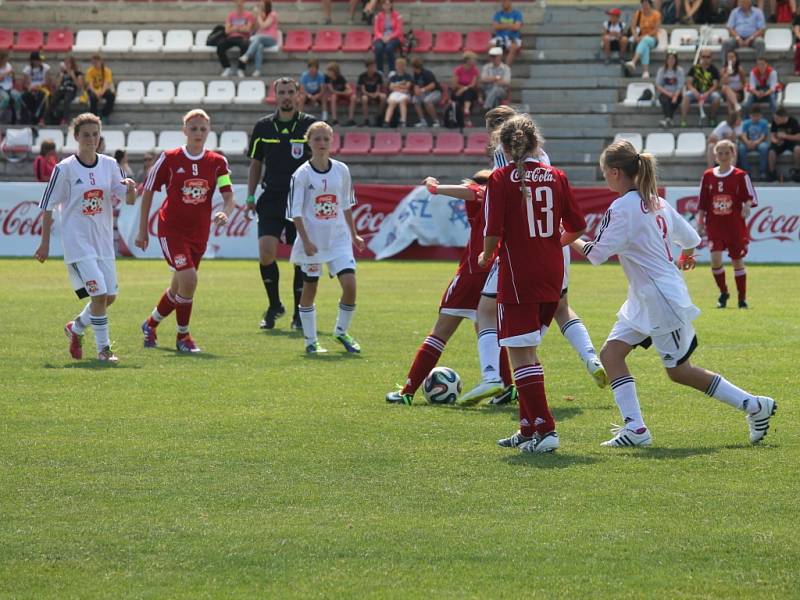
[(220, 92), (47, 133), (633, 138), (327, 40), (418, 142), (791, 95), (200, 45), (233, 143), (336, 143), (270, 99), (424, 40), (357, 40), (660, 144), (190, 92), (59, 40), (140, 141), (29, 40), (88, 40), (447, 42), (178, 40), (691, 144), (478, 41), (718, 36), (663, 41), (17, 144), (449, 143), (476, 143), (778, 39), (6, 39), (683, 39), (148, 40), (250, 91), (635, 91), (118, 40), (159, 92), (212, 141), (130, 92), (355, 143), (115, 140), (170, 139), (387, 143), (297, 41)]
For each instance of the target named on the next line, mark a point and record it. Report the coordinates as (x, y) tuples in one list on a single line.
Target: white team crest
[(297, 150)]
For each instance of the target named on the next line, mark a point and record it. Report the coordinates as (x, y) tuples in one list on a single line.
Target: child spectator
[(784, 137), (68, 86), (496, 79), (427, 92), (312, 87), (702, 86), (733, 81), (614, 38), (669, 85), (47, 160), (8, 95), (400, 86), (762, 86), (337, 88), (507, 24), (645, 25), (36, 96), (387, 35), (465, 86), (729, 129), (122, 160), (238, 27), (754, 136), (100, 85), (371, 89), (147, 163), (266, 36)]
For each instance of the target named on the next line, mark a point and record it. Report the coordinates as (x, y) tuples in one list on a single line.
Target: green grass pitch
[(252, 471)]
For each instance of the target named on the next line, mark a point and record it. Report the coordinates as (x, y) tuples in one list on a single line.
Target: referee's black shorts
[(271, 211)]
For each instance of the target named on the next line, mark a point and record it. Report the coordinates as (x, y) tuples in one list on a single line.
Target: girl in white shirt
[(641, 228)]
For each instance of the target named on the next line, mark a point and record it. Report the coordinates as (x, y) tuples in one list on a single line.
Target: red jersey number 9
[(195, 170), (541, 227), (662, 225)]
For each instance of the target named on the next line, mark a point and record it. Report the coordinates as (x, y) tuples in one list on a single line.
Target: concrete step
[(578, 100), (577, 42)]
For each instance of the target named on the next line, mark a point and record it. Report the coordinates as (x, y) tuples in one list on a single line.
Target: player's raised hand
[(220, 218), (687, 262), (359, 242), (142, 240), (431, 183), (42, 252)]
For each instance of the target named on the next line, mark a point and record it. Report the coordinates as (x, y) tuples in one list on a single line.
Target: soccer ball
[(442, 386)]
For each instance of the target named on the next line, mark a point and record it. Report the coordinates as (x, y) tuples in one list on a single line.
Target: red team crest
[(194, 191), (91, 286), (325, 207), (92, 203), (722, 204)]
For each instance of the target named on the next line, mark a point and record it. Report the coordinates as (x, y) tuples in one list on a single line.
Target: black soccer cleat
[(722, 302), (742, 303), (268, 322), (297, 324)]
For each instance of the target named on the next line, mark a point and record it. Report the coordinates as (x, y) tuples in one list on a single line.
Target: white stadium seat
[(190, 92), (118, 40), (633, 138), (691, 144), (159, 92), (220, 92), (233, 142), (170, 139), (178, 40), (718, 37), (251, 91), (778, 39), (212, 142), (663, 41), (683, 40), (660, 144), (46, 133), (70, 143), (140, 141), (791, 95), (115, 140), (149, 40), (130, 92), (634, 92), (88, 40), (200, 42)]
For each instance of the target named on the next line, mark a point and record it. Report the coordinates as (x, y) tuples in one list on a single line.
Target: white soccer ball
[(442, 386)]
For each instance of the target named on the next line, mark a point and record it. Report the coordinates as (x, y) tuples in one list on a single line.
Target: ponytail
[(641, 167), (520, 138)]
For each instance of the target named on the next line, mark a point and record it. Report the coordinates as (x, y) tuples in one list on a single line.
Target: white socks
[(578, 337), (308, 317), (624, 389), (100, 327), (345, 317), (83, 320), (489, 355), (723, 390)]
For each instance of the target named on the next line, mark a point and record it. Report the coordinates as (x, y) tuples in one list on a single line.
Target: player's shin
[(100, 327), (297, 288), (489, 355), (344, 318), (308, 317), (535, 416), (270, 276), (426, 358), (163, 309), (578, 337), (624, 389), (83, 320), (183, 313)]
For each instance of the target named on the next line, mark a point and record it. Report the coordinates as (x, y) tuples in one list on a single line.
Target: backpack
[(217, 36)]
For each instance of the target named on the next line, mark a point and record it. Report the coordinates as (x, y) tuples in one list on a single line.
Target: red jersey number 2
[(662, 225), (544, 197)]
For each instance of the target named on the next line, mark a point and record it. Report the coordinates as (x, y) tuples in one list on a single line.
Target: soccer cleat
[(186, 344), (107, 355), (297, 324), (398, 397), (758, 422), (75, 341), (485, 389), (598, 373), (541, 444), (268, 322), (742, 303), (507, 396), (150, 337), (722, 302), (315, 348), (346, 340), (515, 441), (627, 437)]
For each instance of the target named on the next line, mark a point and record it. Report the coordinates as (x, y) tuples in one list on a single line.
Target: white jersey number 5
[(541, 227)]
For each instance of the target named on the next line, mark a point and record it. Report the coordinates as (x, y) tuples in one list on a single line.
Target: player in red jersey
[(190, 174), (527, 204), (726, 196), (460, 299)]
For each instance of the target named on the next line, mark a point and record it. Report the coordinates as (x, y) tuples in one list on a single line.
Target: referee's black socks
[(271, 277)]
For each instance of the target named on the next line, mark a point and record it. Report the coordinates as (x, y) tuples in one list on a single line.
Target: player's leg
[(718, 271), (307, 309), (184, 299), (488, 354), (268, 240), (345, 272), (97, 279), (740, 276), (573, 329), (289, 234)]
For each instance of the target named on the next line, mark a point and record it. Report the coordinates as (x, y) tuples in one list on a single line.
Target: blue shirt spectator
[(507, 16), (755, 128), (746, 22), (312, 84)]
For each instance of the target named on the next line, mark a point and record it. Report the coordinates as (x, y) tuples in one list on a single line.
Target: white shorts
[(335, 266), (490, 287), (93, 277), (505, 42), (398, 97), (674, 348)]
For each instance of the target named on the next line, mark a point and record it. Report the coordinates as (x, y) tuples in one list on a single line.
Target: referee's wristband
[(251, 199)]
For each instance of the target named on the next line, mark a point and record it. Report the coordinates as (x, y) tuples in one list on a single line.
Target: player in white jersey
[(641, 229), (320, 204), (83, 187)]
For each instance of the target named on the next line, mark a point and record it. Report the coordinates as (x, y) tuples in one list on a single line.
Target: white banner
[(21, 220)]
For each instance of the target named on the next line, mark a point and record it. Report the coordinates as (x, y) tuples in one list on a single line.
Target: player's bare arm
[(143, 238), (701, 223), (43, 251), (570, 236), (228, 205), (253, 177), (358, 241), (308, 246), (130, 191), (461, 192), (578, 245), (489, 245)]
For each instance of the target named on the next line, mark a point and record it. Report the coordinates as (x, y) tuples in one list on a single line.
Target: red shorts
[(737, 248), (523, 325), (461, 297), (182, 252)]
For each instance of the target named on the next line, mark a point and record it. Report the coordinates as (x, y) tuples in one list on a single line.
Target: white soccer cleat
[(485, 389), (598, 373), (541, 444), (515, 441), (758, 422), (624, 437)]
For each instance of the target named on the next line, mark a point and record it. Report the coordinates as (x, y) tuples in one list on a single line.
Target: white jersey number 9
[(541, 227)]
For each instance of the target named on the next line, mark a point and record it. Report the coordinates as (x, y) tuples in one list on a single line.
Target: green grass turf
[(253, 471)]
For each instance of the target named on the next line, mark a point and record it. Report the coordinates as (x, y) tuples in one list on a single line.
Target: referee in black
[(277, 148)]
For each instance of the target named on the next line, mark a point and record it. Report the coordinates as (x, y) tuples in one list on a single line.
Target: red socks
[(505, 367), (719, 277), (183, 312), (741, 284), (165, 306), (534, 414), (427, 356)]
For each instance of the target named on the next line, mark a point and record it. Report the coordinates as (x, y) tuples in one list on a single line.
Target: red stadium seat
[(59, 40), (424, 40), (6, 39), (270, 99), (449, 143), (478, 41), (336, 143), (297, 41), (358, 40), (418, 143), (448, 42), (387, 143), (355, 143), (327, 40), (476, 143), (29, 40)]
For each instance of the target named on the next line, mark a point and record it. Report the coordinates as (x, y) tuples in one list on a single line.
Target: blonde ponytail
[(641, 167), (520, 138)]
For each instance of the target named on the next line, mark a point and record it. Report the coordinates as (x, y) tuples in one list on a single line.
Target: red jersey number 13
[(541, 227)]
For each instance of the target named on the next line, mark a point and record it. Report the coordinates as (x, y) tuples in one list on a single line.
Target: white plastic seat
[(130, 92), (200, 42), (141, 140), (634, 92), (70, 143), (190, 92), (149, 40), (691, 144), (212, 142), (633, 138), (46, 133), (718, 37), (251, 91), (159, 92), (115, 140), (118, 40), (778, 39), (178, 40), (683, 40), (220, 92), (233, 142), (791, 95), (170, 139), (663, 41), (660, 144), (88, 40)]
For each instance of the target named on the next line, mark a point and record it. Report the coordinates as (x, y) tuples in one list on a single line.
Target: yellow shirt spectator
[(99, 79)]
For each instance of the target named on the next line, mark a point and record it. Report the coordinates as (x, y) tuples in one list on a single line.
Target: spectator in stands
[(327, 12), (427, 93), (100, 85), (746, 25), (507, 23), (36, 94), (754, 136), (371, 89), (645, 25), (400, 86), (670, 80), (266, 36), (122, 160), (387, 36), (729, 129), (796, 32), (784, 137), (9, 96), (336, 89), (238, 27), (496, 79), (781, 11), (702, 87), (148, 160), (465, 86), (614, 38), (701, 12), (47, 160), (762, 86), (68, 85), (733, 81), (312, 87), (367, 12)]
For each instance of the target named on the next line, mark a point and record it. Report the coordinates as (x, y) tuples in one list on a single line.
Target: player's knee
[(110, 299), (610, 355), (678, 374)]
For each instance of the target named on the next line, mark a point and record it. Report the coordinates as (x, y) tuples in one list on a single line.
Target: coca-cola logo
[(765, 224), (537, 175), (238, 225), (22, 219), (367, 222)]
